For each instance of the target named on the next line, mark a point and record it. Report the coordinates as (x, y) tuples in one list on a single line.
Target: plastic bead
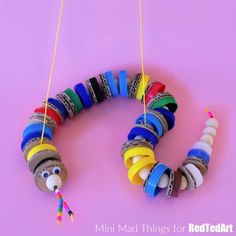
[(163, 100), (96, 89), (133, 173), (136, 151), (31, 137), (112, 83), (142, 85), (83, 95), (153, 120), (203, 146), (37, 128), (144, 132), (59, 106), (75, 100), (169, 116), (151, 184), (123, 83), (50, 112), (153, 89), (199, 153)]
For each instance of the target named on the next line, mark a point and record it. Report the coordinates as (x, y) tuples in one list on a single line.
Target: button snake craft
[(45, 162)]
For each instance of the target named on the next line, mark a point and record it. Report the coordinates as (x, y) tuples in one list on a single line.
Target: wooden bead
[(53, 181), (184, 183), (143, 174), (210, 130), (212, 122), (136, 158), (207, 139), (163, 183)]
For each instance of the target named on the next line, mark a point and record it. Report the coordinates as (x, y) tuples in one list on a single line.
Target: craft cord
[(141, 55), (52, 67), (62, 204)]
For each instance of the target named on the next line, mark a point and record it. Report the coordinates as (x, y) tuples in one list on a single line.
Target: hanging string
[(52, 67), (141, 55)]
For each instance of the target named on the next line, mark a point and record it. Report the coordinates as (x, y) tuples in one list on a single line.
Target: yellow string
[(141, 54), (52, 67)]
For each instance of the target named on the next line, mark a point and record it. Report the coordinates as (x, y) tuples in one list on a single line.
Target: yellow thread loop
[(141, 54), (52, 67)]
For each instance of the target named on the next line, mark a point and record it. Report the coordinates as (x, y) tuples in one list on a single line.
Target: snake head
[(50, 175)]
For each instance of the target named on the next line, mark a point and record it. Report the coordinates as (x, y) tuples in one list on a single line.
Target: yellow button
[(142, 85), (137, 151), (39, 148), (133, 173)]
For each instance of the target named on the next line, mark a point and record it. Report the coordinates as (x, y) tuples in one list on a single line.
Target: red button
[(50, 112), (156, 88)]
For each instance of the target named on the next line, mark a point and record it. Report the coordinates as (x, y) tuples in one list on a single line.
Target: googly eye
[(56, 170), (45, 174)]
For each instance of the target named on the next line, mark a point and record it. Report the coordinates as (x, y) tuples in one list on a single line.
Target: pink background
[(189, 45)]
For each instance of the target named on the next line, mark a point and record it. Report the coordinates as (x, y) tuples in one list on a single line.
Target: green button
[(165, 101), (75, 99)]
